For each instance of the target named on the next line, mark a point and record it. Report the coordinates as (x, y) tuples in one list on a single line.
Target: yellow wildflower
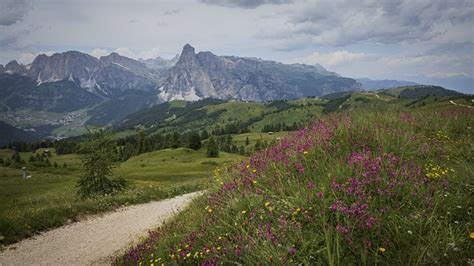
[(254, 171), (188, 255), (254, 182), (382, 250), (267, 204), (244, 212), (471, 235), (305, 152), (247, 166)]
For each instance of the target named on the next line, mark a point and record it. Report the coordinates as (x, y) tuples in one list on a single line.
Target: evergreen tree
[(98, 158), (194, 141), (212, 148), (242, 150), (141, 142), (258, 145), (204, 135), (175, 140), (247, 141)]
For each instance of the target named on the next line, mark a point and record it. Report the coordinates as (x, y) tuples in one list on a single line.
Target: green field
[(49, 198), (240, 139)]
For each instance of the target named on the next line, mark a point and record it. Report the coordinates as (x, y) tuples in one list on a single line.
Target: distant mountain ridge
[(190, 76), (108, 88), (370, 84)]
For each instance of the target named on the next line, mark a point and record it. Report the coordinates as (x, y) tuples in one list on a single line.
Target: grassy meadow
[(389, 185), (49, 198)]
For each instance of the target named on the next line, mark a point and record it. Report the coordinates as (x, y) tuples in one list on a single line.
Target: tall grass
[(354, 188)]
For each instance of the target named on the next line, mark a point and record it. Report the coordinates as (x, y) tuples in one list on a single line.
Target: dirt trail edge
[(95, 240)]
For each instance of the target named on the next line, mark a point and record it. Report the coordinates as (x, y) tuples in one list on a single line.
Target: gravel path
[(95, 240), (453, 103)]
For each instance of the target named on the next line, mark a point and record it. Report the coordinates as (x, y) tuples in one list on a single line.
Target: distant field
[(240, 139), (49, 198)]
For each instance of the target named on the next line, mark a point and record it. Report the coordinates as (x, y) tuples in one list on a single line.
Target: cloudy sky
[(428, 41)]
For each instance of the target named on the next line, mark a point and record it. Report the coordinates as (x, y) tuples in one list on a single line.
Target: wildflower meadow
[(359, 187)]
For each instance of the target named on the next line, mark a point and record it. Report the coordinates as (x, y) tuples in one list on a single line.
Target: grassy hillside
[(211, 114), (419, 91), (208, 114), (49, 198), (374, 186)]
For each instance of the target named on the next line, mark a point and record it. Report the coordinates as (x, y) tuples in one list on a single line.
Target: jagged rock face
[(128, 64), (111, 75), (115, 80), (66, 65), (160, 64), (187, 80), (207, 75)]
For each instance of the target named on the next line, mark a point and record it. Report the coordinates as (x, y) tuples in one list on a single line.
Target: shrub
[(99, 156)]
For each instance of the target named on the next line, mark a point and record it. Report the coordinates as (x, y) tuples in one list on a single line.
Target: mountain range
[(102, 91)]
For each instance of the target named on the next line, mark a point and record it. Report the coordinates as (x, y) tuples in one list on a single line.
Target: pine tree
[(194, 141), (204, 135), (175, 140), (242, 150), (141, 142), (247, 141), (258, 145), (212, 149)]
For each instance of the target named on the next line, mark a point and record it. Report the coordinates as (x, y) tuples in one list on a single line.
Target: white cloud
[(335, 58), (98, 52), (143, 54), (445, 75), (124, 51), (153, 53), (27, 58)]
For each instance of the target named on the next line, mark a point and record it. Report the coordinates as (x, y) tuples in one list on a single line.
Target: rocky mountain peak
[(14, 67), (188, 56), (187, 50), (67, 65)]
